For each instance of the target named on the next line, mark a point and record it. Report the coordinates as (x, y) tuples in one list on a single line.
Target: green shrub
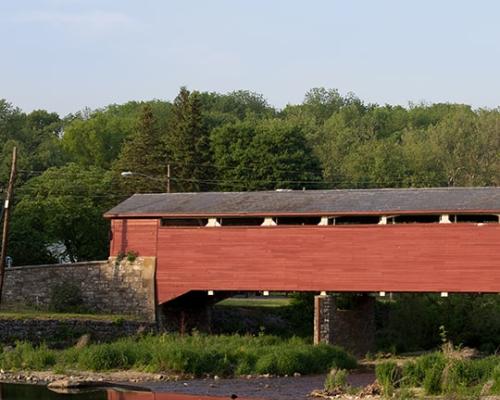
[(389, 376), (246, 364), (196, 354), (438, 374), (104, 357), (132, 256), (25, 356), (293, 360), (267, 364), (414, 372), (66, 297), (300, 313), (333, 357)]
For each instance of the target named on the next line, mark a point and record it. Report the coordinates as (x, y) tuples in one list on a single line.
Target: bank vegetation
[(197, 355)]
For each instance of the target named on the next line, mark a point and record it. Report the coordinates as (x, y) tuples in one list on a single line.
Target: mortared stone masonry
[(110, 287), (352, 329)]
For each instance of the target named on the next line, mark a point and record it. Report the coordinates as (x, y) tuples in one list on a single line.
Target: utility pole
[(6, 211), (168, 178)]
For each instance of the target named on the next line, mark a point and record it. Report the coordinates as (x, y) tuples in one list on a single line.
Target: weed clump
[(495, 387), (336, 381), (25, 356), (388, 376), (450, 373)]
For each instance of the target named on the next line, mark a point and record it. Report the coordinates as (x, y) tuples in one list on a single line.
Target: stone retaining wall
[(62, 333), (106, 286)]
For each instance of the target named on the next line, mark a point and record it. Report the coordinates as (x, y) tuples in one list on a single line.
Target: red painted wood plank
[(134, 235), (397, 258)]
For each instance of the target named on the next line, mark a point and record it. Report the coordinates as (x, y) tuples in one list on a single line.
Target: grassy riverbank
[(258, 302), (45, 315), (225, 355), (441, 373)]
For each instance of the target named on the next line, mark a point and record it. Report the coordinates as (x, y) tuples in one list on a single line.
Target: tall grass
[(389, 376), (224, 355), (449, 374)]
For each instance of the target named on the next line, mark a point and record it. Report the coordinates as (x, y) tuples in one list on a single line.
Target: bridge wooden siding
[(461, 257)]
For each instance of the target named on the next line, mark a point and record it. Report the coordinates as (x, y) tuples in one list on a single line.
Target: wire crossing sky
[(63, 55)]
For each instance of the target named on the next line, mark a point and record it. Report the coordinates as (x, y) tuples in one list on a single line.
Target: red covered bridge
[(391, 240), (208, 245)]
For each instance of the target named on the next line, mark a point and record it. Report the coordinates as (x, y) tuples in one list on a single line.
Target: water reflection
[(160, 396), (36, 392)]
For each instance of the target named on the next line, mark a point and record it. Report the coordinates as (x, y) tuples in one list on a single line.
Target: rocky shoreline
[(46, 377)]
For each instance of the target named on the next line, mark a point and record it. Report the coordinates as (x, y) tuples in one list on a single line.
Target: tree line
[(70, 167)]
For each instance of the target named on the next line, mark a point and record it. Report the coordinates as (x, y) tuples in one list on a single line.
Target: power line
[(394, 179), (229, 168)]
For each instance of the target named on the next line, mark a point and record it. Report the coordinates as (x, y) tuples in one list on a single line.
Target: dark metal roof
[(319, 202)]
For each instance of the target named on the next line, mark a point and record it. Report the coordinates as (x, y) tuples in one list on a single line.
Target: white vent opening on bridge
[(213, 223), (269, 221)]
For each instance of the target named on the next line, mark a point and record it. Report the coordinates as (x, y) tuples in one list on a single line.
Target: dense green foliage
[(234, 141), (412, 321), (196, 354), (58, 215), (143, 155), (188, 144)]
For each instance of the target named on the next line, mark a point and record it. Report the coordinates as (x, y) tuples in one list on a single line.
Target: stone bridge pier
[(353, 328)]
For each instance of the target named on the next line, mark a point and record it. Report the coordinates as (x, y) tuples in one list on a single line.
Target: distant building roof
[(311, 202)]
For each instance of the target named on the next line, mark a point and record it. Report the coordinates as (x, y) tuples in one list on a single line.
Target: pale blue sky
[(63, 55)]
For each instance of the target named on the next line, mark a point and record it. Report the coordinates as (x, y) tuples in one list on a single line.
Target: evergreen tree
[(188, 145), (144, 156)]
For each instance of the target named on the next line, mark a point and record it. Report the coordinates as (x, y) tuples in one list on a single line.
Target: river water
[(38, 392), (285, 388)]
